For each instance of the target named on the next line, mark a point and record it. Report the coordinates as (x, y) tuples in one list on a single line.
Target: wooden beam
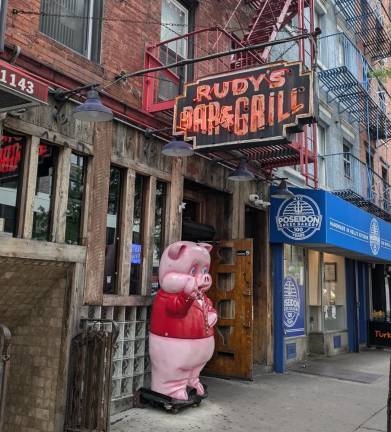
[(41, 250), (28, 188), (48, 135), (148, 232), (60, 194), (126, 231), (134, 300), (142, 169), (176, 198)]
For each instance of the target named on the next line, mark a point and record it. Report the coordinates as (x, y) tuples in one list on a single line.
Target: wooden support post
[(30, 168), (126, 230), (59, 218), (149, 228), (176, 198), (97, 214)]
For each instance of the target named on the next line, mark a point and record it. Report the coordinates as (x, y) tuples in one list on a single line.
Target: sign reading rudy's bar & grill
[(247, 108)]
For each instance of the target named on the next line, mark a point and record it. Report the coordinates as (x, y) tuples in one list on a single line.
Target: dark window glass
[(347, 161), (43, 202), (137, 237), (65, 21), (158, 233), (11, 151), (112, 230), (75, 199)]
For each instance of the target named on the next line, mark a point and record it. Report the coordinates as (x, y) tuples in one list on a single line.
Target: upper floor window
[(347, 163), (11, 159), (175, 23), (74, 23)]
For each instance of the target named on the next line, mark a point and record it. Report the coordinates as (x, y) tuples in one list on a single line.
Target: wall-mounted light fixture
[(282, 191), (91, 110), (174, 148), (241, 173)]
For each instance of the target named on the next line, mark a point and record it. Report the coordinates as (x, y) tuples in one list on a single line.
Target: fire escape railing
[(161, 88), (371, 23), (354, 181), (348, 78)]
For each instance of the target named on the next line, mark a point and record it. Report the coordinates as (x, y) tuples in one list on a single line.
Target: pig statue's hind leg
[(194, 380)]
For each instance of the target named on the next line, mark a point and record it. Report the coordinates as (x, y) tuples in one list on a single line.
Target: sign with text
[(316, 217), (247, 108), (379, 333), (294, 306), (18, 89)]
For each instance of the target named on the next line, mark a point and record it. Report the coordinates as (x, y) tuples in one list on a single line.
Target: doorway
[(256, 228)]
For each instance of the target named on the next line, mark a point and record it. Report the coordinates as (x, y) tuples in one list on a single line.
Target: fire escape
[(269, 17), (348, 79)]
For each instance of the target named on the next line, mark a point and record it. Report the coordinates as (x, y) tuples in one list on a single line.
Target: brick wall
[(32, 303), (122, 42)]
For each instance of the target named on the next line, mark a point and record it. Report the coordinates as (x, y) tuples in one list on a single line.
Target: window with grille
[(347, 162), (175, 23), (74, 23)]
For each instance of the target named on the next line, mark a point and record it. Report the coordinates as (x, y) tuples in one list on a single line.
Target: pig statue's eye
[(193, 271), (205, 270)]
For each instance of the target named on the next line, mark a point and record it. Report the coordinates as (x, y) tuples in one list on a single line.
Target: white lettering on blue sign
[(299, 217), (291, 302), (374, 236)]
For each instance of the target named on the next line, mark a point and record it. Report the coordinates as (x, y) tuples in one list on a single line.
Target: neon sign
[(245, 108)]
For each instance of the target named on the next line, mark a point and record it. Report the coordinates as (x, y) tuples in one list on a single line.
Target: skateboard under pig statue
[(181, 339)]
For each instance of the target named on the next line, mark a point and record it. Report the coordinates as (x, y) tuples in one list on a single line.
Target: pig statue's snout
[(205, 281)]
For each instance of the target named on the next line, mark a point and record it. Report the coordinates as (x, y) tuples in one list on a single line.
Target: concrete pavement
[(281, 403)]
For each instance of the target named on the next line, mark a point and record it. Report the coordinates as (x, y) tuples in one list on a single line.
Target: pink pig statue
[(181, 338)]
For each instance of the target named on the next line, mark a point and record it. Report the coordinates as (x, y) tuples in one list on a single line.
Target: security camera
[(261, 203), (253, 197)]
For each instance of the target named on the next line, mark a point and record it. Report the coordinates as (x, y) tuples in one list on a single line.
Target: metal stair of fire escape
[(269, 17)]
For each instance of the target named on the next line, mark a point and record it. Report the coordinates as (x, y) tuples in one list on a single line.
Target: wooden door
[(232, 296)]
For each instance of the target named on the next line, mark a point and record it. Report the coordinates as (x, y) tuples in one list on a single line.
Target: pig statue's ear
[(176, 249), (207, 246)]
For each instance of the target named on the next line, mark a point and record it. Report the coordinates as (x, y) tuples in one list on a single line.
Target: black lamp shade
[(177, 148), (241, 173), (92, 110), (282, 191)]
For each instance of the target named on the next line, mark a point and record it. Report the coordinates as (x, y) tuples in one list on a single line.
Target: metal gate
[(5, 344), (89, 391)]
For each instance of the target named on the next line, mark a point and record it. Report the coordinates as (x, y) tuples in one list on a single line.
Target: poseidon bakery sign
[(247, 108)]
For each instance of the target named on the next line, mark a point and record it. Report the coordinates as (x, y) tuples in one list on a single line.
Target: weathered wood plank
[(54, 137), (134, 300), (33, 249), (141, 168), (176, 198), (29, 186), (61, 196), (126, 230), (148, 227)]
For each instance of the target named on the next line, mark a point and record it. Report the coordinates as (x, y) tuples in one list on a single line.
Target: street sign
[(247, 108)]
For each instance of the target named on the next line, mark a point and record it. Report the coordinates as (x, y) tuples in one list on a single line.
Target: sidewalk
[(294, 402)]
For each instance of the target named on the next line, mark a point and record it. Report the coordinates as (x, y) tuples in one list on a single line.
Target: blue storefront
[(324, 250)]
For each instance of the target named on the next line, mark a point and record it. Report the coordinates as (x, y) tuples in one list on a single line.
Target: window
[(347, 162), (75, 199), (175, 13), (321, 152), (74, 23), (137, 236), (45, 187), (369, 157), (158, 233), (11, 155), (112, 231), (334, 292)]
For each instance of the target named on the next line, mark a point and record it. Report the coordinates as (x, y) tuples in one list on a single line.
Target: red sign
[(245, 108), (24, 90)]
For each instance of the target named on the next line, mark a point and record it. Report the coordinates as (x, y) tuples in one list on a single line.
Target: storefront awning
[(18, 89), (321, 220)]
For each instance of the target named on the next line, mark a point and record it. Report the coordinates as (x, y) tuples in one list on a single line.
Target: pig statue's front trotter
[(181, 338)]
